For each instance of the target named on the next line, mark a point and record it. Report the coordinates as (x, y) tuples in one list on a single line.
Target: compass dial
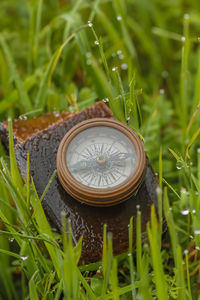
[(101, 157), (101, 162)]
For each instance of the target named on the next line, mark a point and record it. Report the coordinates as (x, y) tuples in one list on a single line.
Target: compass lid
[(101, 162)]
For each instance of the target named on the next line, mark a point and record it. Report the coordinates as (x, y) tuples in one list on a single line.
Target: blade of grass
[(100, 41), (101, 82), (59, 290), (130, 258), (107, 260), (71, 282), (44, 228), (23, 96), (194, 115), (183, 112), (180, 275), (33, 290), (16, 195), (114, 280), (28, 237), (160, 282), (121, 291), (13, 97), (111, 30), (86, 286), (12, 254), (118, 6), (37, 30), (196, 99), (191, 141), (132, 103), (188, 275), (13, 164), (171, 225), (171, 188), (93, 11), (6, 280), (160, 168), (167, 34), (138, 245), (41, 95), (119, 86)]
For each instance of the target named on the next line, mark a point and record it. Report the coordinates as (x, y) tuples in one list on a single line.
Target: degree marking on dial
[(91, 179), (95, 148), (102, 146), (113, 176), (111, 145), (99, 180), (106, 179), (124, 175), (80, 154), (75, 151), (89, 151)]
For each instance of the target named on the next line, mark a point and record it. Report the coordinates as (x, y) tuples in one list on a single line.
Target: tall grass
[(143, 59)]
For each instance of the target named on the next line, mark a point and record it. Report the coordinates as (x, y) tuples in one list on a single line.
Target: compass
[(101, 162)]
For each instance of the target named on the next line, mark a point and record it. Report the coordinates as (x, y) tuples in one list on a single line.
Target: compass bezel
[(95, 196)]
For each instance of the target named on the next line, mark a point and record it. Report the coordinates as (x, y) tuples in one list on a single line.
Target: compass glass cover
[(101, 157)]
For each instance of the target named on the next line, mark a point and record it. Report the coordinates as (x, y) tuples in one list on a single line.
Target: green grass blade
[(41, 95), (171, 225), (183, 112), (44, 228), (16, 195), (130, 258), (12, 98), (33, 290), (13, 164), (114, 280), (191, 142), (160, 282), (107, 261), (180, 275), (10, 253), (138, 245), (160, 168), (188, 274), (132, 103), (24, 99), (127, 40), (35, 11)]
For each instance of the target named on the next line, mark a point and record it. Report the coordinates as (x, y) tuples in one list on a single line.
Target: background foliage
[(143, 59)]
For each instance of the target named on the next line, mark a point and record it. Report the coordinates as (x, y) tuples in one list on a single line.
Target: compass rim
[(95, 196)]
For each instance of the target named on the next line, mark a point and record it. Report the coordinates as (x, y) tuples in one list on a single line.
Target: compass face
[(101, 162), (101, 157)]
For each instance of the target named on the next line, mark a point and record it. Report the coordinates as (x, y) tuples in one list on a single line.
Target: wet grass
[(143, 59)]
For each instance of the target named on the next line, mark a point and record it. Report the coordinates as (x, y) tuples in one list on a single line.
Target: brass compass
[(101, 162)]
